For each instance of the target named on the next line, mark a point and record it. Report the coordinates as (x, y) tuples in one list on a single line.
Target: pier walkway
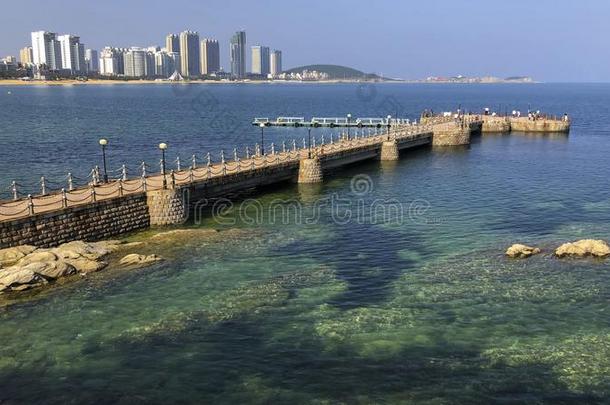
[(101, 210), (199, 176)]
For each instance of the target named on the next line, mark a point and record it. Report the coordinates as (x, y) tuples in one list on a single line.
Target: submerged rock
[(521, 251), (135, 259), (585, 247)]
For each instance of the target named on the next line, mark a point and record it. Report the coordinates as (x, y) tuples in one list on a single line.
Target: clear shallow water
[(421, 310)]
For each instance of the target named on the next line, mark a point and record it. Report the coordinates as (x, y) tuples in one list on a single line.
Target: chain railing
[(46, 195)]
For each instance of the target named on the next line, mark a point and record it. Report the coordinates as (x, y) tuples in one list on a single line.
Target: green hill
[(336, 72)]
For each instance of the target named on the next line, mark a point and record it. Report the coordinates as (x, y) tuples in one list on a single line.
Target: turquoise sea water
[(412, 302)]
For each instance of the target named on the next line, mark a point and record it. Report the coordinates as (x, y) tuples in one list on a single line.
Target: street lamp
[(103, 143), (349, 117), (389, 124), (262, 125), (163, 147), (309, 143)]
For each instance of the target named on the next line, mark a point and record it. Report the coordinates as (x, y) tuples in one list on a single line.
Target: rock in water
[(139, 260), (17, 279), (585, 247), (521, 251), (51, 270)]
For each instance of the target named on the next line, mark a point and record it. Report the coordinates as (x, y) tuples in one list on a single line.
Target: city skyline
[(432, 39)]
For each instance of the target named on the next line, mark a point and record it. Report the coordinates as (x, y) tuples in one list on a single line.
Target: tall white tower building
[(210, 56), (275, 61), (46, 50), (189, 54), (72, 53), (260, 60)]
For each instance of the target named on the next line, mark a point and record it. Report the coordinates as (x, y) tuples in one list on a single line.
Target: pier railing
[(73, 191)]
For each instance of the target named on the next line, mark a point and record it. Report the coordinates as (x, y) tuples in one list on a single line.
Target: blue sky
[(561, 40)]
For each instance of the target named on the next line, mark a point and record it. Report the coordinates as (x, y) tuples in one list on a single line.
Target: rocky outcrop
[(16, 279), (31, 267), (136, 260), (585, 247), (519, 251)]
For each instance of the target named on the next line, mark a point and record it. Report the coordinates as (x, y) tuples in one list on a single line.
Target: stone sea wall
[(101, 220)]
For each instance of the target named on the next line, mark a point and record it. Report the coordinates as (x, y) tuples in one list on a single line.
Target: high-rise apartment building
[(46, 50), (26, 56), (92, 61), (165, 64), (111, 61), (135, 60), (210, 56), (260, 60), (172, 43), (189, 54), (238, 54), (275, 62), (72, 53)]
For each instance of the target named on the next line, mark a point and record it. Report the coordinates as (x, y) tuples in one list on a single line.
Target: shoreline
[(94, 82)]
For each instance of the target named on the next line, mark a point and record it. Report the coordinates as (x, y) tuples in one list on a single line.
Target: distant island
[(328, 72)]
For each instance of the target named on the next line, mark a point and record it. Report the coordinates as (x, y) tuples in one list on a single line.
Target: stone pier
[(495, 124), (523, 124), (166, 207), (389, 151), (310, 170), (451, 134)]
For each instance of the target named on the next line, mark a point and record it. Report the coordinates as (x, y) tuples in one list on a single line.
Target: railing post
[(283, 146), (30, 204), (257, 150), (121, 188), (235, 154), (173, 179), (144, 186), (304, 144), (247, 152), (93, 196), (14, 189), (64, 198), (272, 148), (178, 163), (70, 182), (193, 162), (322, 142), (191, 175), (124, 173), (43, 186), (294, 145), (143, 169), (209, 159)]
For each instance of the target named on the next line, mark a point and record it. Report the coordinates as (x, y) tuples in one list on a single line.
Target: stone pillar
[(310, 170), (451, 134), (389, 150), (166, 207)]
